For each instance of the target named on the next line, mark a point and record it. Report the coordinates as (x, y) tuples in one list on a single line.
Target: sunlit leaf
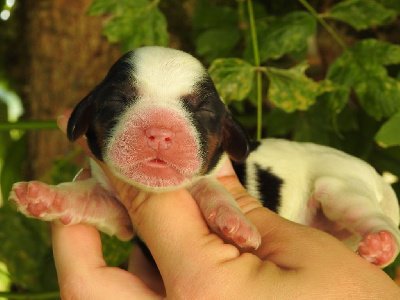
[(232, 77), (388, 135), (291, 89), (362, 14)]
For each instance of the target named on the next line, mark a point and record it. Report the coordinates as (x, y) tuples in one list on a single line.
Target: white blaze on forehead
[(167, 73)]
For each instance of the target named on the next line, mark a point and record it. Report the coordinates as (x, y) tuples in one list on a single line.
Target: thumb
[(82, 271)]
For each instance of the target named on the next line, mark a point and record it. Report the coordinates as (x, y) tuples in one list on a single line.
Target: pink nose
[(159, 138)]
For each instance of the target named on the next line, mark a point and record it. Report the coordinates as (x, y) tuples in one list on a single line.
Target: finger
[(173, 228), (82, 271), (146, 270), (76, 248), (285, 243)]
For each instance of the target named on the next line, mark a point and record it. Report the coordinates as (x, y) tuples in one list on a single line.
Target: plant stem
[(28, 125), (253, 30), (323, 23)]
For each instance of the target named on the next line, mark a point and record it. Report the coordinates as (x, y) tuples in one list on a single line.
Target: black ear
[(234, 139), (81, 118)]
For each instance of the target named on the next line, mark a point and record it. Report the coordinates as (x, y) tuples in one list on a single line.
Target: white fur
[(165, 74), (354, 187)]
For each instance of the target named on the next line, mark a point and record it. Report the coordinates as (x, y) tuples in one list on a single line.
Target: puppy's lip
[(157, 163)]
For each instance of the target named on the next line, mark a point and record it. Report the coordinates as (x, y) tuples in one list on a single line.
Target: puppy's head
[(157, 121)]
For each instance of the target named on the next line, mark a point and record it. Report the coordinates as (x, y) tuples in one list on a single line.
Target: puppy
[(327, 189), (157, 121)]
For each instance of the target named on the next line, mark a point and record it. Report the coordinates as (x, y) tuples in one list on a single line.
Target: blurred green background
[(319, 71)]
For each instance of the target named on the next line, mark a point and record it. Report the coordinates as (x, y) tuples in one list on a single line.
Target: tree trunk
[(66, 58)]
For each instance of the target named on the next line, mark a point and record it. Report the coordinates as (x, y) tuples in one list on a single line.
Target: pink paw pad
[(235, 227), (378, 247), (35, 198)]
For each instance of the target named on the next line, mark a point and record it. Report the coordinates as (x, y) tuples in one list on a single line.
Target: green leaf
[(216, 30), (372, 51), (362, 14), (232, 77), (217, 43), (348, 68), (208, 16), (286, 34), (337, 98), (134, 23), (378, 93), (362, 68), (291, 89), (393, 4), (388, 135)]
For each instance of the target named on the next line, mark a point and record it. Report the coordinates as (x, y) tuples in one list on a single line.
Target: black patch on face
[(269, 186), (207, 112), (108, 101)]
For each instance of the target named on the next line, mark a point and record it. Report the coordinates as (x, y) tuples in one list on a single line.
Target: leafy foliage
[(233, 78), (291, 89), (362, 67), (362, 14), (135, 23), (348, 99), (285, 34)]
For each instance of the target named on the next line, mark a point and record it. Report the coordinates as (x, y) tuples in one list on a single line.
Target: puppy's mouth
[(157, 163)]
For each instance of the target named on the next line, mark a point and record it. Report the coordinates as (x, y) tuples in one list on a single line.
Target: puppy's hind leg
[(355, 207)]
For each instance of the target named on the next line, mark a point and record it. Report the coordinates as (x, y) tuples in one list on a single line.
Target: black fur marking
[(240, 170), (207, 113), (108, 101), (254, 145), (269, 186)]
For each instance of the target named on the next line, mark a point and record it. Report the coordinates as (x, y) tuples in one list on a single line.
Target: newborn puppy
[(327, 189), (157, 121)]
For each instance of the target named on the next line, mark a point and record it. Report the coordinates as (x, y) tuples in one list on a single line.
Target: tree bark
[(65, 58)]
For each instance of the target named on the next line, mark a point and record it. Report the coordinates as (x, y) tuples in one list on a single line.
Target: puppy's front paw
[(234, 226), (38, 200), (378, 248)]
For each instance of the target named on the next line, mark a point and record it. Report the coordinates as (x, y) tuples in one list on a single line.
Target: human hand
[(293, 261)]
